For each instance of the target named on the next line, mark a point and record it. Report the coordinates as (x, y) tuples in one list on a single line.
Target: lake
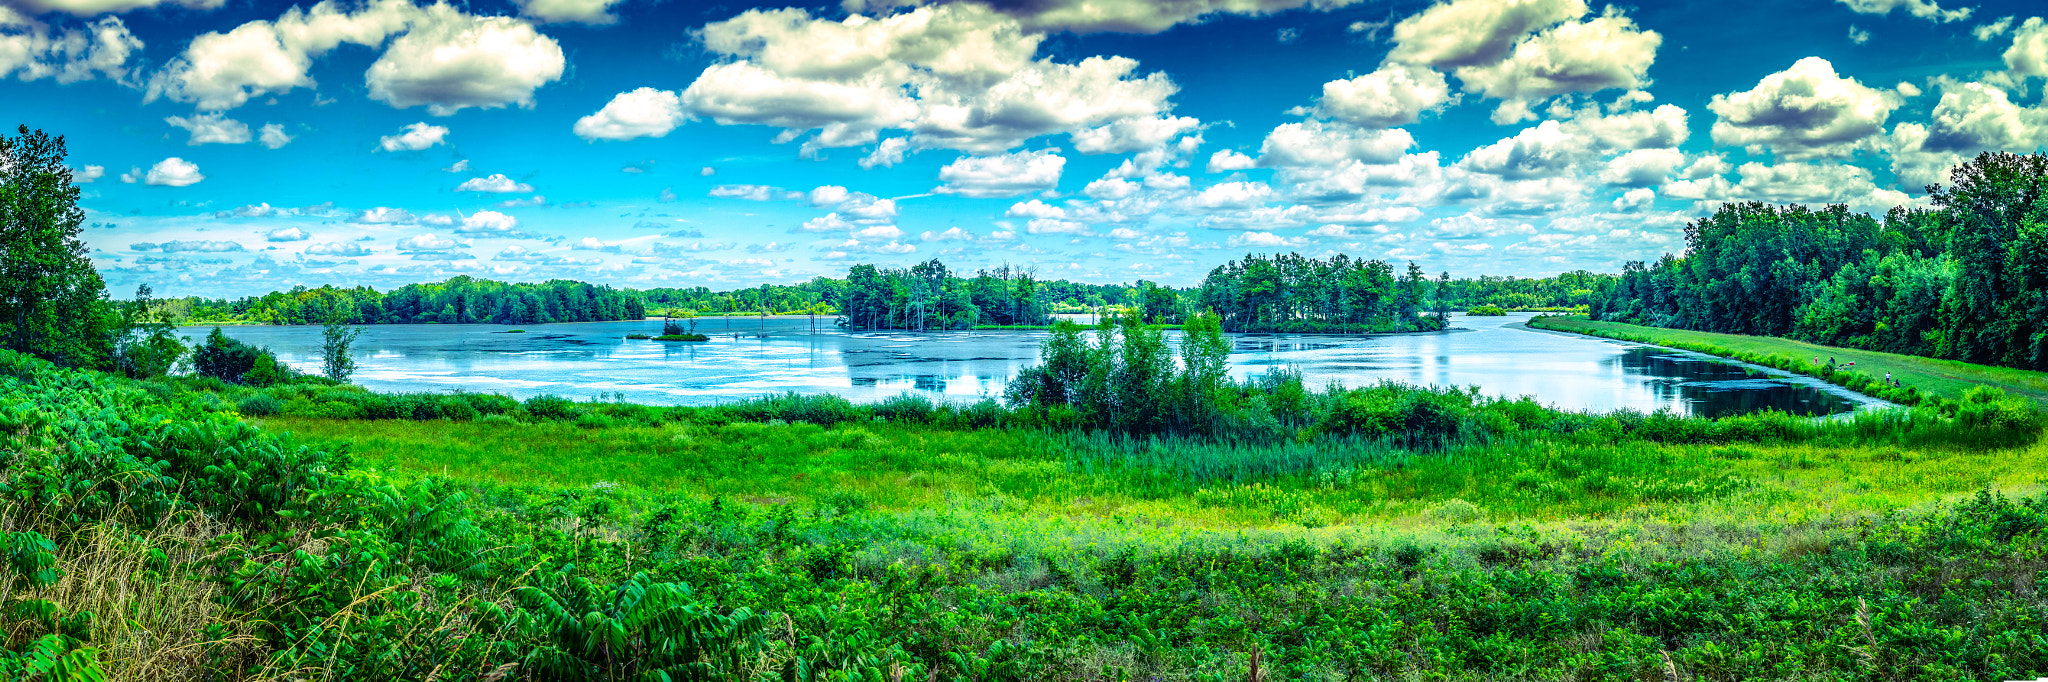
[(750, 357)]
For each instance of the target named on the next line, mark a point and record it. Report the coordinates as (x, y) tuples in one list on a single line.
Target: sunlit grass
[(907, 467), (1947, 378)]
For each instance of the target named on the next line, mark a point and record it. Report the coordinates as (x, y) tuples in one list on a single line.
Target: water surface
[(750, 357)]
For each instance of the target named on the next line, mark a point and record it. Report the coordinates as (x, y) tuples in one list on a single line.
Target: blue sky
[(235, 147)]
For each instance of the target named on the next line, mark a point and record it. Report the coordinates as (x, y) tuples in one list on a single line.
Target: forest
[(1966, 279)]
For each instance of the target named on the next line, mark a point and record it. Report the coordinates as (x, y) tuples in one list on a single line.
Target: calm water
[(747, 358)]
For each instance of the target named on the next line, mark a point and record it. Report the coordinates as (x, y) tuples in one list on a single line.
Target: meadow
[(181, 528)]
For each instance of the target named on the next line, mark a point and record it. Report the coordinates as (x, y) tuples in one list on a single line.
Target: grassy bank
[(1945, 378), (221, 533)]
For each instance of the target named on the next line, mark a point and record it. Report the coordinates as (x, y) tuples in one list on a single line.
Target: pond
[(752, 356)]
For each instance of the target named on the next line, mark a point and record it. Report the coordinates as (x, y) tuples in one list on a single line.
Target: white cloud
[(88, 174), (592, 12), (878, 233), (287, 234), (1858, 36), (1605, 52), (1543, 150), (1985, 32), (1110, 189), (273, 136), (211, 129), (1005, 175), (887, 154), (172, 172), (1120, 16), (1395, 95), (1035, 209), (201, 246), (1056, 226), (496, 183), (384, 216), (1814, 183), (1228, 160), (1924, 9), (224, 70), (1664, 126), (1133, 134), (1234, 195), (416, 137), (951, 234), (259, 210), (1642, 167), (449, 61), (2028, 55), (1802, 112), (487, 222), (955, 76), (1473, 32), (755, 193), (645, 112), (426, 242), (1265, 240), (1325, 145), (31, 50), (337, 249), (89, 8), (1973, 117), (1472, 226), (1635, 199)]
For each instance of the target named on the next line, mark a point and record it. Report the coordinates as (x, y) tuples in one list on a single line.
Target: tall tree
[(52, 301)]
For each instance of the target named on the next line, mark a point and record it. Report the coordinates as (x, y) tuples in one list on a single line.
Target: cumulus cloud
[(1035, 209), (1540, 151), (287, 234), (31, 50), (200, 246), (1005, 175), (273, 136), (1642, 167), (1804, 111), (1924, 9), (441, 57), (211, 129), (1395, 95), (449, 61), (171, 172), (1814, 183), (755, 193), (1471, 226), (1524, 51), (384, 216), (1974, 117), (87, 174), (887, 154), (2028, 56), (591, 12), (487, 222), (426, 242), (1322, 144), (955, 76), (1229, 160), (495, 183), (1265, 240), (416, 137), (644, 112), (345, 249), (1133, 134)]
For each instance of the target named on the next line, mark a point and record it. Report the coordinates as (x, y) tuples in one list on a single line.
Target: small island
[(1486, 311), (681, 337)]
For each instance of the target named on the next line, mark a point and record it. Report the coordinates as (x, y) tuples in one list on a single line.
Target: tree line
[(1966, 279), (460, 300)]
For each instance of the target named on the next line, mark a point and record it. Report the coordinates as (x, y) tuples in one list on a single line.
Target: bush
[(905, 407), (549, 406), (457, 408), (1486, 311), (260, 405)]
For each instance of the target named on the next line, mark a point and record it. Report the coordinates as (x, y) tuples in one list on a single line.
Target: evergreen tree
[(52, 301)]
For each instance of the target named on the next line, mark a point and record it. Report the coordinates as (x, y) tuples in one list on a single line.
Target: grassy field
[(1947, 378), (907, 467)]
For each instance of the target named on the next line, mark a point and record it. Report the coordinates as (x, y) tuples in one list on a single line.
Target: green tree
[(337, 358), (52, 301)]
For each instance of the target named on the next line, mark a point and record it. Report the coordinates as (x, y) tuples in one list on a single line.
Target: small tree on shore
[(337, 356)]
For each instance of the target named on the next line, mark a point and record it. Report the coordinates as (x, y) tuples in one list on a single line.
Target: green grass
[(1946, 378), (909, 467)]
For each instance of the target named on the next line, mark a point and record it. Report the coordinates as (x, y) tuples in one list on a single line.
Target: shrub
[(549, 406), (905, 407), (260, 405), (457, 408)]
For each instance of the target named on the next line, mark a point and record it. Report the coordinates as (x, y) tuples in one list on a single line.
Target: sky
[(228, 148)]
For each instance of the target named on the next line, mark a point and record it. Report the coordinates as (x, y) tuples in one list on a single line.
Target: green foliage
[(1960, 281), (637, 629), (1486, 310), (234, 362), (460, 300), (52, 301), (337, 361), (260, 405)]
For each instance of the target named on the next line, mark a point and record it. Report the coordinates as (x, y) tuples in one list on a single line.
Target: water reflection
[(756, 357)]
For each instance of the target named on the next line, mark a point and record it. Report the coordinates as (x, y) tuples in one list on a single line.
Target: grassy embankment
[(1944, 378), (903, 541)]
